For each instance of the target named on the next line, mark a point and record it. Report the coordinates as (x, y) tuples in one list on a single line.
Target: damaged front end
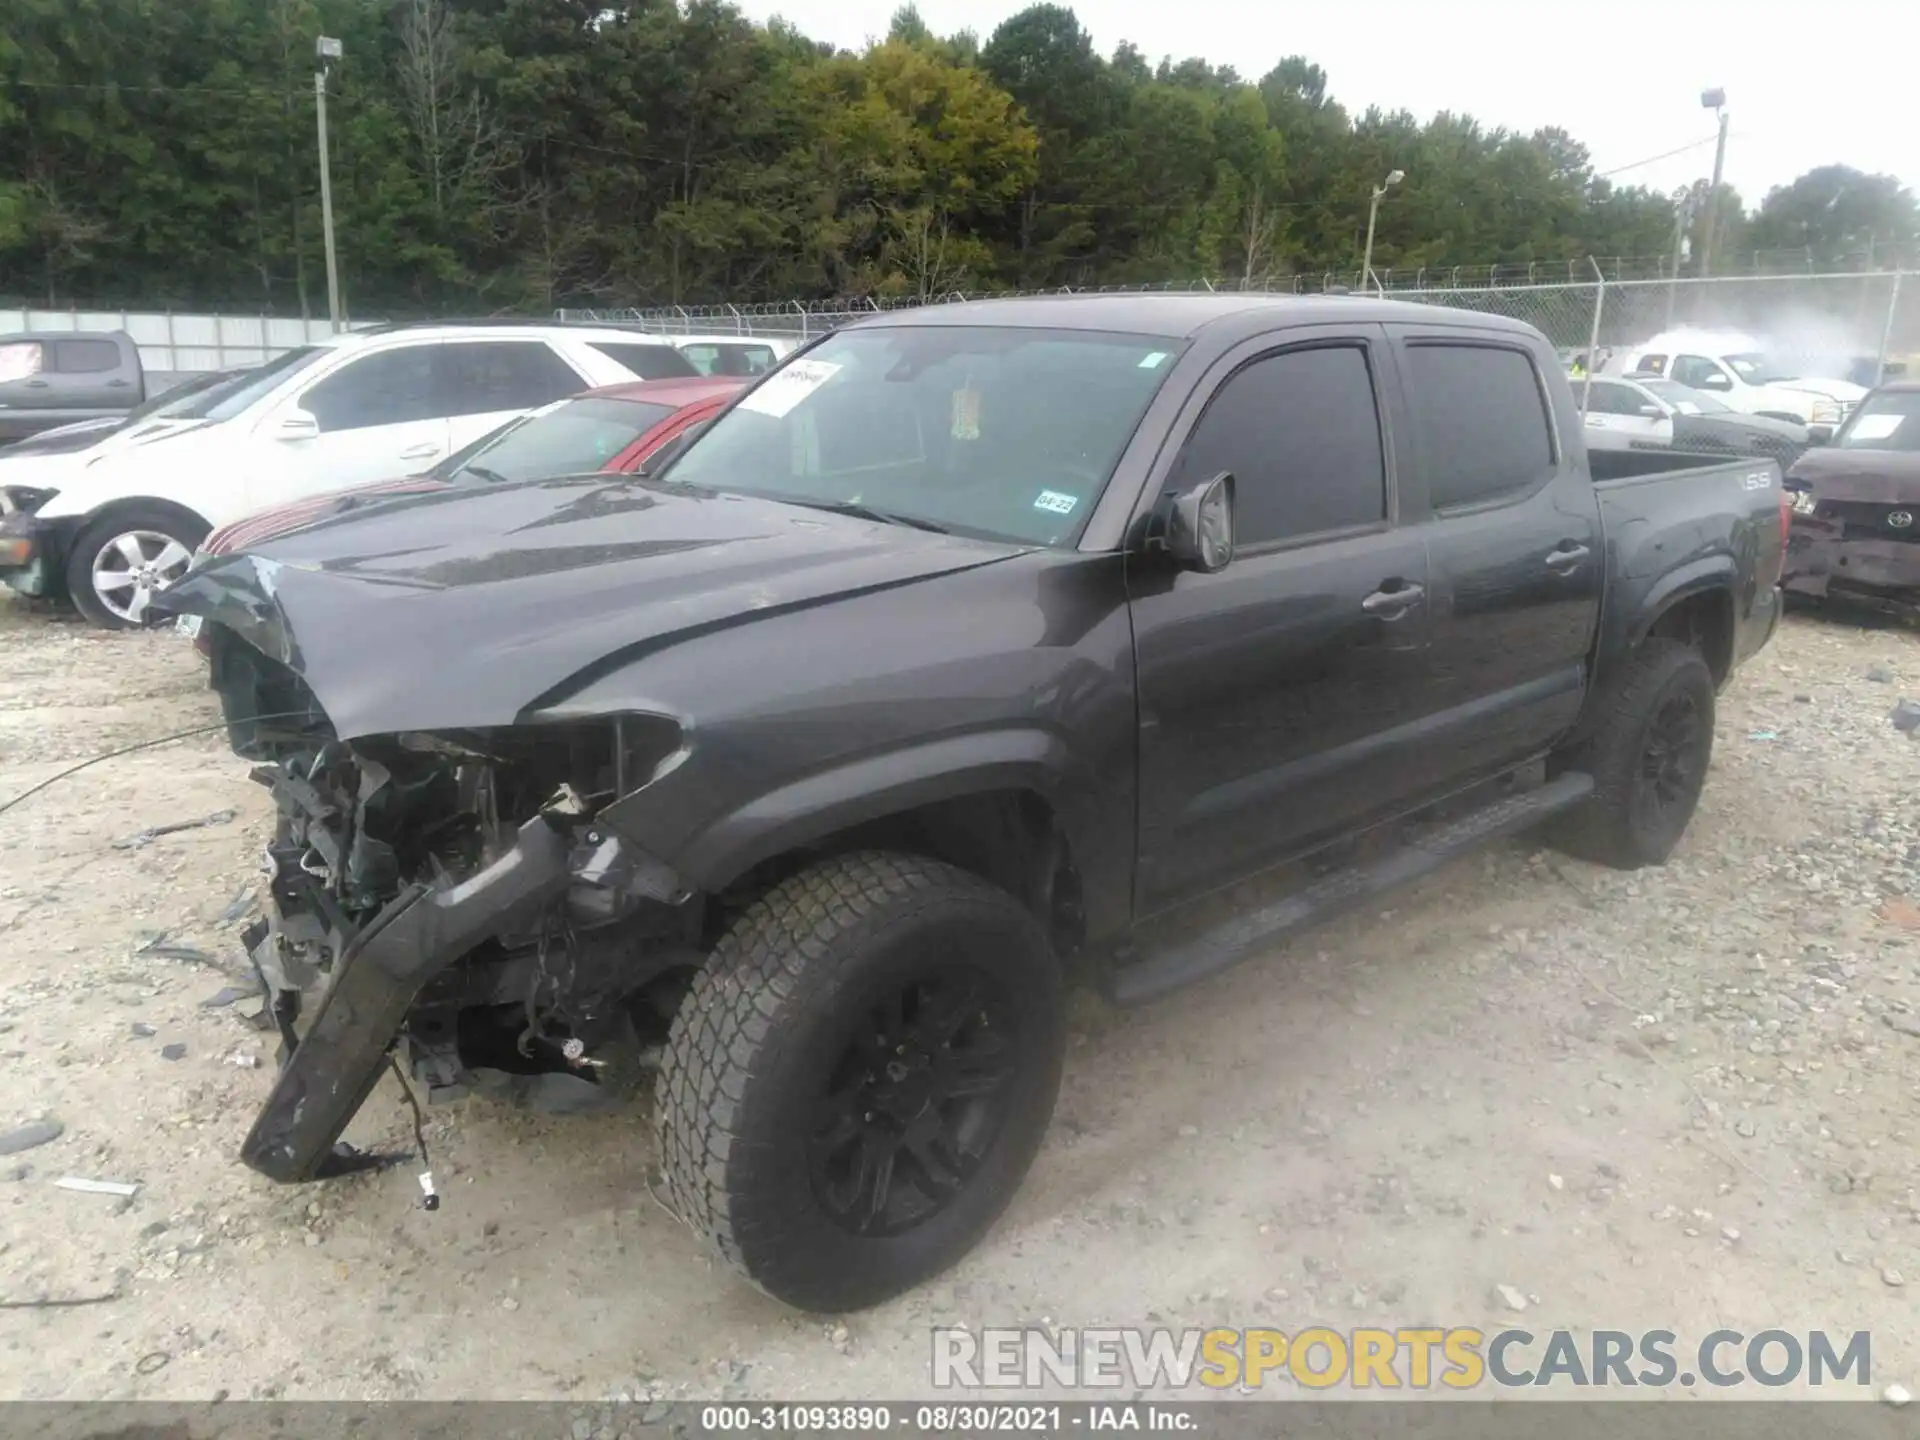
[(452, 894), (1863, 549)]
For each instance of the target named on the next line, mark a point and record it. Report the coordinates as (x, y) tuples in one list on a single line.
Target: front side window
[(1697, 370), (391, 387), (1887, 421), (21, 360), (1300, 433), (1605, 399), (571, 438), (1010, 433), (1482, 422)]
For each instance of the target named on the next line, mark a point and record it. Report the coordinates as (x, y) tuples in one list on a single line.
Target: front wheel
[(120, 562), (1648, 752), (860, 1076)]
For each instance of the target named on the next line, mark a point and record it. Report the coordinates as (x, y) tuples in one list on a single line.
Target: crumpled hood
[(1890, 477), (469, 608)]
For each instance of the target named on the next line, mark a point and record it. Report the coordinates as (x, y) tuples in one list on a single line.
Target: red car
[(617, 428)]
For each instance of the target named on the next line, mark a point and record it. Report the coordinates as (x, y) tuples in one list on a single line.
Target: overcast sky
[(1805, 86)]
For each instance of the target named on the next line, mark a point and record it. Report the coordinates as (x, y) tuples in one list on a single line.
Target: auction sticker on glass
[(786, 388)]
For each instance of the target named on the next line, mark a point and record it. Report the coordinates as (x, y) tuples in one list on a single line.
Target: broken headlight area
[(452, 893)]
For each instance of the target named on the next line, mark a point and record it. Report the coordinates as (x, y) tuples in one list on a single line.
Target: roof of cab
[(1183, 316)]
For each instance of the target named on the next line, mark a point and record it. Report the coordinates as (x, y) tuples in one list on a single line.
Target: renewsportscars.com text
[(1409, 1358)]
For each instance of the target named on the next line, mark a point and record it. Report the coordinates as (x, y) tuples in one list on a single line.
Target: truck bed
[(1675, 521)]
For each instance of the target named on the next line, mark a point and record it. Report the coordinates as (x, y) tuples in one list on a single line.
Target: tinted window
[(483, 376), (1007, 432), (85, 357), (719, 359), (574, 438), (1652, 364), (649, 362), (388, 388), (1484, 430), (1301, 435)]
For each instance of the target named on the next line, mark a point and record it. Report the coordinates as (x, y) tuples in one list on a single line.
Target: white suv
[(361, 407)]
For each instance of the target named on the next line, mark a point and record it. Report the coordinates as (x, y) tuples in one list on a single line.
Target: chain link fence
[(1850, 322)]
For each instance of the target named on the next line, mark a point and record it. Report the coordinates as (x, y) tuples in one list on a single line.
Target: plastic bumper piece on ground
[(338, 1061)]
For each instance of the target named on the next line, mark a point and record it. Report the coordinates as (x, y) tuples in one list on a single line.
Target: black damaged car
[(1139, 629)]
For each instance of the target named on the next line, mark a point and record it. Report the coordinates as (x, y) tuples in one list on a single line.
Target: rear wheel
[(860, 1076), (1648, 754), (120, 562)]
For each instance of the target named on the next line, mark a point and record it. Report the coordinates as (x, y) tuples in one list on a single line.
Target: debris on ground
[(26, 1137), (148, 836), (1905, 716), (225, 996), (125, 1189), (143, 1031), (175, 1051), (1510, 1297), (1897, 1395), (240, 907)]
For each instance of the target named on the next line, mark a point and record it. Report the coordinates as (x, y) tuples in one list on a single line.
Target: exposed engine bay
[(451, 893)]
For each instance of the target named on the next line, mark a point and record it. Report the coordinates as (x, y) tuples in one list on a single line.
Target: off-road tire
[(759, 1029), (1614, 826)]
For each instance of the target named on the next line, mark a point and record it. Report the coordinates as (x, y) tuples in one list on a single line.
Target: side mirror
[(1715, 381), (299, 425), (1652, 412), (1198, 531)]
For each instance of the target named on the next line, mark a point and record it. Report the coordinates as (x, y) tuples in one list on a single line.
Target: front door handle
[(1392, 604), (1566, 557), (420, 452)]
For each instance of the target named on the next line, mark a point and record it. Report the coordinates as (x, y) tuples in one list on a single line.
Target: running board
[(1167, 968)]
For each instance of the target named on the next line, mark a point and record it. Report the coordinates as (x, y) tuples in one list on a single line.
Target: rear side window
[(484, 376), (390, 387), (649, 362), (1605, 399), (1652, 364), (1300, 432), (1483, 425), (85, 357)]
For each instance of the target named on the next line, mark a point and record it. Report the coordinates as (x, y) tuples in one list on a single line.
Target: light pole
[(326, 49), (1682, 212), (1394, 177), (1715, 100)]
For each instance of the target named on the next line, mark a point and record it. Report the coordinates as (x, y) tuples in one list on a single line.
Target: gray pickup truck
[(1143, 629), (56, 379)]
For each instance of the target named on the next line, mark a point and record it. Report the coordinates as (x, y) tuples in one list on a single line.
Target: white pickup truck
[(1748, 379)]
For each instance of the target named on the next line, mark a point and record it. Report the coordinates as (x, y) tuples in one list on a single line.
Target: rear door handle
[(1392, 604), (1566, 557), (420, 452)]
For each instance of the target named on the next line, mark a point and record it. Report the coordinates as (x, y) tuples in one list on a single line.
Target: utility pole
[(1682, 213), (1394, 177), (326, 48), (1715, 100)]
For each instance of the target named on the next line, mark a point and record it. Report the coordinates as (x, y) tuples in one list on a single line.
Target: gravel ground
[(1685, 1099)]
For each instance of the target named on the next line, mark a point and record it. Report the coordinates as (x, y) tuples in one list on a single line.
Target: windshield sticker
[(1873, 427), (784, 389), (966, 413), (1054, 503), (1153, 361)]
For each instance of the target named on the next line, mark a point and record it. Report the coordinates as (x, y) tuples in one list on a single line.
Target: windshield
[(175, 399), (1686, 400), (1889, 421), (569, 438), (1757, 369), (999, 432), (229, 397)]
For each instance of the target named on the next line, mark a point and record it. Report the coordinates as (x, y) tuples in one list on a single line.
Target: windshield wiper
[(868, 512), (492, 477)]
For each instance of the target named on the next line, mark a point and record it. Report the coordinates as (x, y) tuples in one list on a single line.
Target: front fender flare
[(815, 806)]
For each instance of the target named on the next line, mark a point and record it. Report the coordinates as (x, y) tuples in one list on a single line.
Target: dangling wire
[(33, 790)]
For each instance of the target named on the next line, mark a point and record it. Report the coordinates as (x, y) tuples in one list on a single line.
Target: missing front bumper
[(425, 929)]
